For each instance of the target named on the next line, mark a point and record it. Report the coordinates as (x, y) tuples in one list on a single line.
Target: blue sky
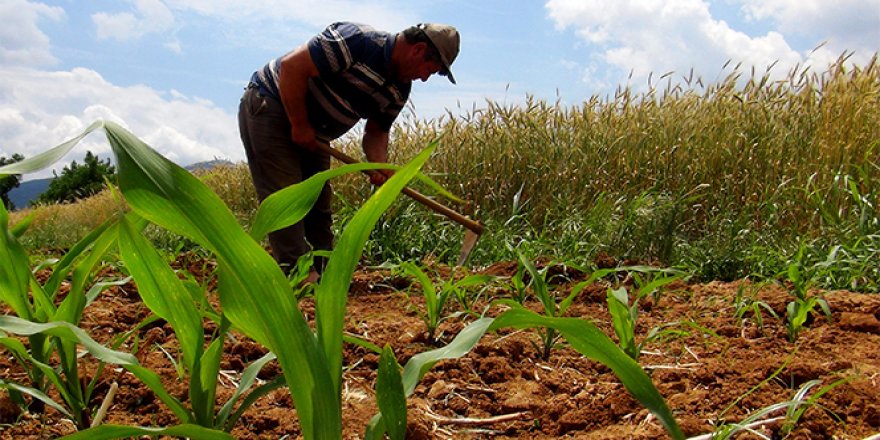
[(172, 71)]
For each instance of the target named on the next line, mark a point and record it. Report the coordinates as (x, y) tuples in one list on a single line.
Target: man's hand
[(304, 136), (379, 177), (375, 145)]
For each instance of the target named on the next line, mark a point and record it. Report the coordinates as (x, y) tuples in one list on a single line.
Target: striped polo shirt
[(354, 80)]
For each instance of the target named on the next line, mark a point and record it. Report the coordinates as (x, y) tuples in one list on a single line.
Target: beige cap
[(446, 40)]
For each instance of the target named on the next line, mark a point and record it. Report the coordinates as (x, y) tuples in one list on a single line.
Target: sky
[(172, 71)]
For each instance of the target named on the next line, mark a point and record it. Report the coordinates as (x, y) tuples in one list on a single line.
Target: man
[(319, 91)]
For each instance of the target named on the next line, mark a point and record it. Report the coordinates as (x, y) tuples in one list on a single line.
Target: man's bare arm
[(375, 145), (293, 83)]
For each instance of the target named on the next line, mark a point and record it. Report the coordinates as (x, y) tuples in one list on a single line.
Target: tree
[(10, 182), (78, 181)]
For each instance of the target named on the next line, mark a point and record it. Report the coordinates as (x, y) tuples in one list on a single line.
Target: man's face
[(419, 64)]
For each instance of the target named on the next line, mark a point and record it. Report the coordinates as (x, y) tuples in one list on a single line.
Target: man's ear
[(419, 50)]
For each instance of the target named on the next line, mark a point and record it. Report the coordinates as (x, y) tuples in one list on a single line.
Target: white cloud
[(264, 17), (655, 37), (150, 16), (842, 26), (383, 14), (42, 109), (22, 43)]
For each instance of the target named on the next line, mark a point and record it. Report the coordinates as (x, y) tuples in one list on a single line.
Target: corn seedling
[(469, 289), (799, 309), (435, 301), (519, 289), (51, 361), (548, 336), (793, 409), (744, 305), (624, 318), (436, 297)]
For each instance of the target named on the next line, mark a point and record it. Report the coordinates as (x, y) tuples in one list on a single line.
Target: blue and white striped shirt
[(354, 80)]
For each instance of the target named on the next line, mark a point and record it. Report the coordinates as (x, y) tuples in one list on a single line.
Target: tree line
[(76, 180)]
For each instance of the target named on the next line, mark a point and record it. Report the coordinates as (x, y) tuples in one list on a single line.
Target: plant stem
[(105, 405)]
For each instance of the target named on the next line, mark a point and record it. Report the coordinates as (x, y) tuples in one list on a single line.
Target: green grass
[(729, 178)]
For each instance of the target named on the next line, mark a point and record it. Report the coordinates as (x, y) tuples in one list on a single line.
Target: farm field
[(503, 390), (698, 262)]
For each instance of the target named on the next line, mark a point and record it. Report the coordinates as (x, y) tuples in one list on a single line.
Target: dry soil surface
[(504, 390)]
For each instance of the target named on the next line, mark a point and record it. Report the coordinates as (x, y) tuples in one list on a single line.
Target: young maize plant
[(257, 299), (798, 311), (435, 300), (52, 359)]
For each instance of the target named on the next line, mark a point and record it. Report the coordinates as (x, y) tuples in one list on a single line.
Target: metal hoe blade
[(467, 245)]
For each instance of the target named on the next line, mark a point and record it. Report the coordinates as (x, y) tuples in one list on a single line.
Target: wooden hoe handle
[(415, 195)]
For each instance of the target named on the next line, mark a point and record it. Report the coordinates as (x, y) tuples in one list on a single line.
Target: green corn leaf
[(579, 287), (473, 280), (161, 290), (390, 396), (37, 368), (37, 394), (45, 159), (588, 340), (332, 292), (62, 267), (14, 271), (418, 365), (430, 294), (248, 377), (67, 331), (203, 386), (99, 287), (539, 285), (656, 284), (106, 432), (21, 327), (72, 306), (361, 342), (251, 398), (622, 320)]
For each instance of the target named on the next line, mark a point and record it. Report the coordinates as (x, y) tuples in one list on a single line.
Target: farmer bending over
[(315, 94)]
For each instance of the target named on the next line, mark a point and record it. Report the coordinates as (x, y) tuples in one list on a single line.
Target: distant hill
[(28, 191), (207, 165)]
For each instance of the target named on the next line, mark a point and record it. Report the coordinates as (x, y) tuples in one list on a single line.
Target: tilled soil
[(716, 368)]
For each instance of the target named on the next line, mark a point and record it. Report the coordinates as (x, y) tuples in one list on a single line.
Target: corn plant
[(798, 310), (436, 297), (51, 361), (538, 282), (624, 318), (517, 283), (744, 305), (552, 307), (257, 299), (171, 302), (587, 339), (793, 408), (435, 301)]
